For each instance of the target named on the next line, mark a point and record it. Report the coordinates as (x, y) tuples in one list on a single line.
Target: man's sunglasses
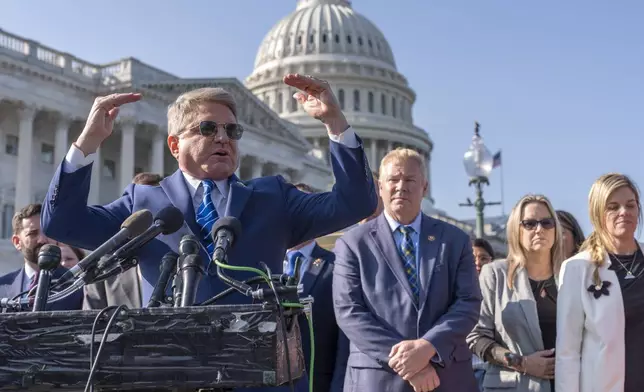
[(234, 131), (531, 224)]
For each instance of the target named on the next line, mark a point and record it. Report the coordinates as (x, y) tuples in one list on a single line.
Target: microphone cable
[(93, 362)]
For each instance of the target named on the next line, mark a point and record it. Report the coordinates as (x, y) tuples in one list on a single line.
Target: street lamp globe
[(478, 160)]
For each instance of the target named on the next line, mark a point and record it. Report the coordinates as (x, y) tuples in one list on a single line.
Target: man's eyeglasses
[(234, 131), (531, 224)]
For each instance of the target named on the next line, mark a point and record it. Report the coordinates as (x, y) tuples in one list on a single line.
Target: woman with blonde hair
[(516, 332), (600, 344)]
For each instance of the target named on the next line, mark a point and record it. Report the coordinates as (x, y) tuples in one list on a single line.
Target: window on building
[(293, 103), (349, 39), (324, 38), (383, 104), (356, 100), (337, 39), (47, 153), (11, 147), (360, 41), (393, 106), (370, 102), (279, 103), (341, 98), (7, 216), (109, 168)]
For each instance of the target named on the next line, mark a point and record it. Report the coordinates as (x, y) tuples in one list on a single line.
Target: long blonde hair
[(599, 242), (516, 252)]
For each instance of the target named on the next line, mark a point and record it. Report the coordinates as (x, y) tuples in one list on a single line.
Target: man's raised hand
[(100, 122)]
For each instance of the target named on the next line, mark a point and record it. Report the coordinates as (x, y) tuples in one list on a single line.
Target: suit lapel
[(523, 292), (315, 267), (16, 286), (429, 244), (237, 197), (177, 191), (384, 239)]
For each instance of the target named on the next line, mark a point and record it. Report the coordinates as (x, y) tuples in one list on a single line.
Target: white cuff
[(347, 138), (76, 159)]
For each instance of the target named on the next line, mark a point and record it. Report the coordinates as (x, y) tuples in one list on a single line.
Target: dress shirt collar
[(29, 271), (306, 250), (193, 185), (393, 224)]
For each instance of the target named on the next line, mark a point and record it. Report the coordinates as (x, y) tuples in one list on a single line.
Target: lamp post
[(478, 165)]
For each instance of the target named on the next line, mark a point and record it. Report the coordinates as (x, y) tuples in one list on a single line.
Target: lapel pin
[(317, 262), (431, 238)]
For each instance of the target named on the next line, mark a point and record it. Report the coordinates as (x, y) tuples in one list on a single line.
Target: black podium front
[(160, 349)]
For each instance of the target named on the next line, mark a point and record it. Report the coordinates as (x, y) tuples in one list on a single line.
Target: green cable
[(284, 304)]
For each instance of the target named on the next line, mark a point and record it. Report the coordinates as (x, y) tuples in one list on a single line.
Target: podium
[(158, 349)]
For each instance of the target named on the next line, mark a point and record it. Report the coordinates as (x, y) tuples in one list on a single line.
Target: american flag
[(496, 160)]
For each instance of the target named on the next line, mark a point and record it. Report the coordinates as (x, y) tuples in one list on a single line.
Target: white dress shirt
[(26, 278)]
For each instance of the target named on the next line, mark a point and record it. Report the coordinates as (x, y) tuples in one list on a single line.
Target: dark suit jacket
[(122, 289), (275, 216), (374, 305), (11, 285), (316, 282)]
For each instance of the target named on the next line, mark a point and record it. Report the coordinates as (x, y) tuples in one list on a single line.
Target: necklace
[(629, 273)]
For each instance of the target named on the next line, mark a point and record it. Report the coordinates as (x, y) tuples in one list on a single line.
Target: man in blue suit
[(28, 239), (406, 292), (316, 277), (203, 136)]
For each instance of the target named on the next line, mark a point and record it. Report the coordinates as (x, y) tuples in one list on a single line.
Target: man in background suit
[(28, 239), (124, 288), (316, 277), (405, 291), (203, 135)]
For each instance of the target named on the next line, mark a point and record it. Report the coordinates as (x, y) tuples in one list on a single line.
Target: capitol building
[(46, 94)]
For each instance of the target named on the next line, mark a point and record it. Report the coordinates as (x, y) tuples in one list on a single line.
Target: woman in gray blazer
[(516, 332)]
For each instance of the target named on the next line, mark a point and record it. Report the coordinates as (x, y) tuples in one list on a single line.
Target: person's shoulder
[(358, 231), (449, 230), (499, 266), (581, 260), (8, 278)]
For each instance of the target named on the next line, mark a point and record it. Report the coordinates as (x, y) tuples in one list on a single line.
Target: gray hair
[(183, 110)]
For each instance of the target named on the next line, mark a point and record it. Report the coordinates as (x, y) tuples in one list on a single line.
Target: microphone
[(168, 266), (167, 221), (48, 260), (134, 225), (189, 245), (191, 272), (224, 233)]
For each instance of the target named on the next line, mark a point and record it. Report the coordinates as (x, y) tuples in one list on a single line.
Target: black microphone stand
[(48, 261)]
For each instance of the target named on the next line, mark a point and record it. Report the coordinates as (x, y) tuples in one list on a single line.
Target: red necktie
[(34, 281)]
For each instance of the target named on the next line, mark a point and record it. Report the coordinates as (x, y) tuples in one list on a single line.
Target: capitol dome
[(329, 39)]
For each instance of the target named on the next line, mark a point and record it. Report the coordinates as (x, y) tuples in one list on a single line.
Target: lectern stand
[(159, 349)]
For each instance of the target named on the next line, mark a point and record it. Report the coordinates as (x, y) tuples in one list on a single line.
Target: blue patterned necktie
[(207, 215), (408, 254)]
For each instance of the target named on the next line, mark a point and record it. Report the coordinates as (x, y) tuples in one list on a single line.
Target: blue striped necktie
[(207, 215), (408, 253)]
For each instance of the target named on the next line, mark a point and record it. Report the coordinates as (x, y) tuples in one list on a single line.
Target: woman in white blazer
[(600, 308)]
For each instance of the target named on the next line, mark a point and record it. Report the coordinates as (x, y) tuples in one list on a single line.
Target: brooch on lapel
[(431, 238), (598, 290), (317, 262)]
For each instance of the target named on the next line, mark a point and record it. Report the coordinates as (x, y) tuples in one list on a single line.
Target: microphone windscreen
[(189, 245), (227, 222), (49, 257), (171, 219), (138, 222)]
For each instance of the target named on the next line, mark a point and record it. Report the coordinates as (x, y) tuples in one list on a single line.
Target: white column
[(26, 117), (258, 166), (97, 176), (156, 158), (127, 154), (374, 154), (61, 140)]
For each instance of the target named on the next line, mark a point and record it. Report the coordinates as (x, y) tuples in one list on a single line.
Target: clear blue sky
[(557, 85)]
